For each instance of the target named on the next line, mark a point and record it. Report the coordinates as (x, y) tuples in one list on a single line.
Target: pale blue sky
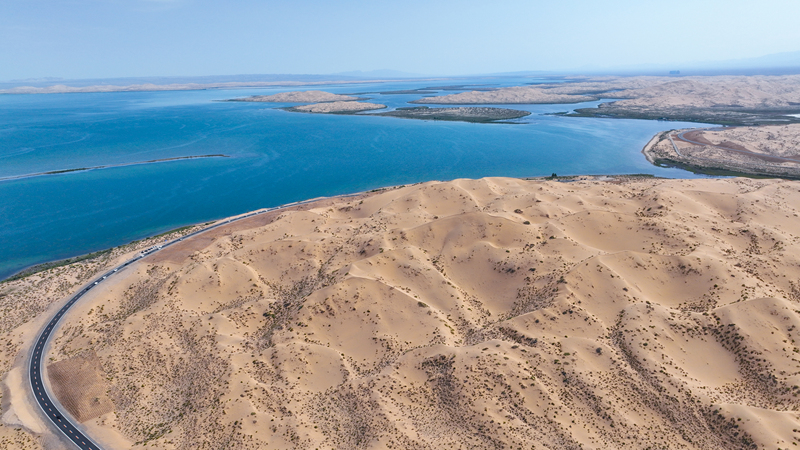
[(118, 38)]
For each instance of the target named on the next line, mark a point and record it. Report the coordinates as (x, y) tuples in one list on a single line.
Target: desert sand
[(716, 99), (337, 107), (297, 97), (772, 150), (505, 96), (585, 313), (24, 305)]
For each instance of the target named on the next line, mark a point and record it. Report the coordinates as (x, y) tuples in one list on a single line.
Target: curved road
[(52, 409)]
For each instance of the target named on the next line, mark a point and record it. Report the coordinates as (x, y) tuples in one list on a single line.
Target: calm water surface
[(276, 157)]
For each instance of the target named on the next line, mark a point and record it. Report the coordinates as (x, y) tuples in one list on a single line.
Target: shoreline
[(720, 165), (52, 264), (187, 229), (333, 255)]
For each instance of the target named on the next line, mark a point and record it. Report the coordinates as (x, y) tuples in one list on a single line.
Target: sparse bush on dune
[(631, 313)]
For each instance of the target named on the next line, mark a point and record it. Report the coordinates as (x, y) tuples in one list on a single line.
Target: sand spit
[(337, 107), (297, 97), (108, 166), (766, 150), (493, 313)]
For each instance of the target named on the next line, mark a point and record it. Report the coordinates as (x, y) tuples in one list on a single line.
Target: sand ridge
[(298, 97), (772, 150), (493, 313), (740, 100)]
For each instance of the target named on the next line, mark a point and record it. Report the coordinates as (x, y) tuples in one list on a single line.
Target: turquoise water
[(276, 157)]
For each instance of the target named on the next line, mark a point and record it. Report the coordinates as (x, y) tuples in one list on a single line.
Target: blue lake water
[(276, 157)]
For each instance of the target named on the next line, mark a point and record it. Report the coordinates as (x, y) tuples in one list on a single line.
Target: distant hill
[(207, 79), (787, 63), (384, 73)]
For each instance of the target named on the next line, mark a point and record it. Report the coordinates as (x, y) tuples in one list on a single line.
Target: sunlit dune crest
[(495, 313)]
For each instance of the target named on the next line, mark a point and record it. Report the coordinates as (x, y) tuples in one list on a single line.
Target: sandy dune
[(298, 97), (717, 92), (24, 305), (493, 313), (772, 150), (717, 99), (778, 140), (511, 95)]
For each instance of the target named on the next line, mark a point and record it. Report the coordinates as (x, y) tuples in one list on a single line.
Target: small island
[(297, 97), (462, 114), (348, 107)]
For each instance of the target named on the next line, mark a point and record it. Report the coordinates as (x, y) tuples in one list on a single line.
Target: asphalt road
[(52, 409)]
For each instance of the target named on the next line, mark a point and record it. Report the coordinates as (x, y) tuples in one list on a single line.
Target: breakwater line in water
[(108, 166)]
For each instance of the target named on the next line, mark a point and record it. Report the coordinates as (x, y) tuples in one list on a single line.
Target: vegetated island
[(497, 312), (463, 114), (108, 166), (298, 97), (338, 107), (772, 150)]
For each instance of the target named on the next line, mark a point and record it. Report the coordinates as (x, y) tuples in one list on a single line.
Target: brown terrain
[(619, 312), (772, 150), (79, 384)]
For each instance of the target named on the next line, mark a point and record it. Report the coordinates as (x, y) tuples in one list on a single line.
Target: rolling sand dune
[(508, 96), (772, 150), (493, 313), (718, 99), (297, 97)]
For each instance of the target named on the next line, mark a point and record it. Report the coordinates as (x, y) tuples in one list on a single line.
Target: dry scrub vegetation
[(740, 100), (23, 303), (493, 313), (772, 150)]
